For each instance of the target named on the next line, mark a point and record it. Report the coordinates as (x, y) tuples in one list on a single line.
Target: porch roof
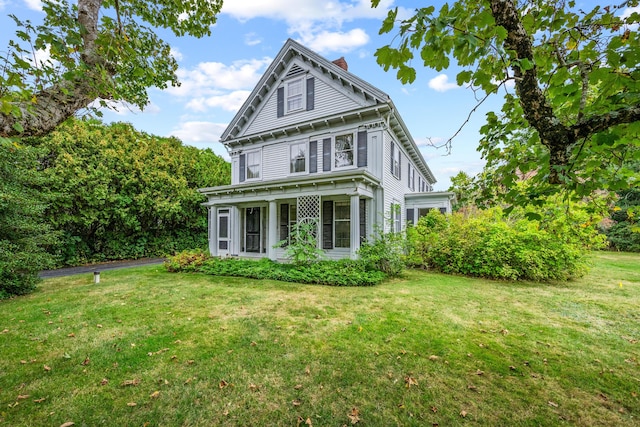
[(345, 182)]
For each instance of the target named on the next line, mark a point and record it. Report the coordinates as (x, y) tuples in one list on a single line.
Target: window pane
[(294, 103), (343, 234), (298, 158), (294, 95), (253, 172), (343, 150), (343, 211)]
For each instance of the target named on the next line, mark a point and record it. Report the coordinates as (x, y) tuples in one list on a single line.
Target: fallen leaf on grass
[(46, 368), (131, 404), (297, 387), (223, 384), (354, 415), (126, 383), (463, 414), (472, 387), (68, 424), (23, 396), (479, 372), (554, 404), (42, 399), (409, 381), (71, 335), (433, 357), (4, 331), (104, 381), (434, 409), (23, 362), (307, 370), (86, 361), (296, 403), (155, 394), (253, 387)]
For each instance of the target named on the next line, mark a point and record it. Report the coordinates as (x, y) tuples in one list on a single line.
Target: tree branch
[(592, 125)]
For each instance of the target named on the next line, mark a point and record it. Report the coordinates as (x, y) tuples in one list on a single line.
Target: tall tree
[(574, 117), (97, 49)]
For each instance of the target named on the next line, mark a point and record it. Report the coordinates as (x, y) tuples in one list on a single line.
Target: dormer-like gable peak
[(292, 60)]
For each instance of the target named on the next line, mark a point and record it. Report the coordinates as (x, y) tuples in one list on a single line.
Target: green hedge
[(486, 244), (333, 273)]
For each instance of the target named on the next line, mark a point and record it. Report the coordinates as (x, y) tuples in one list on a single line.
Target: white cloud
[(230, 101), (177, 55), (627, 13), (326, 41), (210, 78), (252, 39), (199, 132), (316, 24), (441, 83), (34, 4), (295, 11)]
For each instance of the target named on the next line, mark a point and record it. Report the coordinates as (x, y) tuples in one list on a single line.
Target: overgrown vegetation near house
[(149, 347), (485, 243)]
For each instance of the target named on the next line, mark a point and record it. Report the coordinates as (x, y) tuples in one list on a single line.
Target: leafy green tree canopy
[(573, 118), (106, 50)]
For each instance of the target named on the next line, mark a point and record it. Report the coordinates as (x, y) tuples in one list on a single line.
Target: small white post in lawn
[(96, 277)]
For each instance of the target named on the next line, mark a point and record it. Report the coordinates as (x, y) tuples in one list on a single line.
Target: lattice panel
[(309, 207)]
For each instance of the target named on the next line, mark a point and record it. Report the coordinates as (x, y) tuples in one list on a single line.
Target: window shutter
[(363, 220), (281, 101), (409, 175), (410, 217), (310, 93), (313, 156), (284, 221), (327, 224), (393, 149), (243, 167), (326, 154), (362, 149), (399, 163)]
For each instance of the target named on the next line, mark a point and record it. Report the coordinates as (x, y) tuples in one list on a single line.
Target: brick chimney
[(340, 62)]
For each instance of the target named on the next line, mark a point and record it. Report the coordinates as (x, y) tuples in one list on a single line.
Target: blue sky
[(219, 72)]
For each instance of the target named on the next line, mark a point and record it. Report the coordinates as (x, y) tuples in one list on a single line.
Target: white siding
[(328, 101), (394, 188), (275, 161)]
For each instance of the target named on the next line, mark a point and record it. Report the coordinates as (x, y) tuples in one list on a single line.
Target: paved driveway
[(70, 271)]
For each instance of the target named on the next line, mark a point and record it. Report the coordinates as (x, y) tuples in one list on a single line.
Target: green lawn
[(146, 347)]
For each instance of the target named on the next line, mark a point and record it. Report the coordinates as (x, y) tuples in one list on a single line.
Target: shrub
[(189, 260), (303, 248), (384, 253), (326, 272), (486, 244)]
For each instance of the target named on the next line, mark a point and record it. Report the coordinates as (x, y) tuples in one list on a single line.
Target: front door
[(223, 232), (252, 230)]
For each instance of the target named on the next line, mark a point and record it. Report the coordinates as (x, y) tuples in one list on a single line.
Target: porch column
[(272, 234), (355, 225), (213, 230)]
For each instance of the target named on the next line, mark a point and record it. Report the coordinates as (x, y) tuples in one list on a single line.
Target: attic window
[(294, 91), (294, 71)]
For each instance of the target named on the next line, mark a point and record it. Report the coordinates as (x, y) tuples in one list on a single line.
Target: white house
[(316, 143)]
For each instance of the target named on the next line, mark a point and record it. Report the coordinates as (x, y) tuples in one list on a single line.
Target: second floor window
[(298, 153), (343, 151), (253, 165), (294, 95), (395, 160)]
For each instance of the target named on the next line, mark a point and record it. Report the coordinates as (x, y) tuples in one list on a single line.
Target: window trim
[(306, 156), (337, 220), (334, 151), (396, 216), (302, 94), (258, 154), (396, 158)]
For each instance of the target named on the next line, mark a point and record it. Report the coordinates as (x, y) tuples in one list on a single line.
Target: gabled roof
[(274, 74)]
